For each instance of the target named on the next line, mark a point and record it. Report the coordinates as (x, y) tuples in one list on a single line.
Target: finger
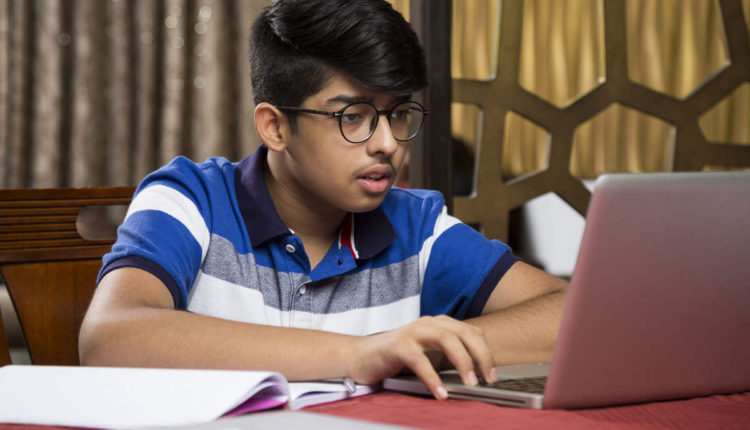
[(477, 348), (456, 352), (418, 362), (476, 343)]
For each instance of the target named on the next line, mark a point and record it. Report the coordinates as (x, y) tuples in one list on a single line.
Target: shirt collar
[(366, 234), (258, 211)]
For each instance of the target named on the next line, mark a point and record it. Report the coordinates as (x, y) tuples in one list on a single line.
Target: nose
[(382, 140)]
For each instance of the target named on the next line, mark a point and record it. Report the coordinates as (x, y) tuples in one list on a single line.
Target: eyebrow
[(342, 98), (345, 99)]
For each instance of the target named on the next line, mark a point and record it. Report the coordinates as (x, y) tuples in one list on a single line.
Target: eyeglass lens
[(358, 121)]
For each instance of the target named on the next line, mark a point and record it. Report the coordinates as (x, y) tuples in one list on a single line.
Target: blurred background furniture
[(51, 244)]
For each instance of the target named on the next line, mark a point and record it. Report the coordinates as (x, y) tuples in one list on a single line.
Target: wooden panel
[(41, 225), (430, 158), (49, 267), (4, 351), (51, 300), (494, 197)]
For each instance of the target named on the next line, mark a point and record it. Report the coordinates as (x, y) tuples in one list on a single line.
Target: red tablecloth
[(715, 412), (730, 412)]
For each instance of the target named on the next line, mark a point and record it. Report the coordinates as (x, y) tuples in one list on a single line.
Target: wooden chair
[(51, 244)]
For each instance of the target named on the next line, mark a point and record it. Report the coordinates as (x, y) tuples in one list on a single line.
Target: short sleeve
[(165, 231), (462, 268)]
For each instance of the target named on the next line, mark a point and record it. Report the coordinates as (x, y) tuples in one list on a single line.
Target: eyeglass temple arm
[(299, 109)]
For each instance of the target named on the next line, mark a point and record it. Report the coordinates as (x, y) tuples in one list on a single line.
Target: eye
[(351, 118), (400, 114)]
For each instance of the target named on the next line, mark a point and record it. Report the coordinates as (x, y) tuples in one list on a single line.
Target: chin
[(365, 204)]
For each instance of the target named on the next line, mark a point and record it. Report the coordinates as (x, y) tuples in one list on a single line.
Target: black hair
[(296, 45)]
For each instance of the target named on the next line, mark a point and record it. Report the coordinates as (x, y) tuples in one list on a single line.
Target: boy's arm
[(522, 316), (132, 322)]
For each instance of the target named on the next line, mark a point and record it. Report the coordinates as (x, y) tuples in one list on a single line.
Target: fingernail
[(472, 378), (442, 393), (493, 375)]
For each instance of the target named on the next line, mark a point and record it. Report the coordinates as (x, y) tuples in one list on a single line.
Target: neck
[(306, 217)]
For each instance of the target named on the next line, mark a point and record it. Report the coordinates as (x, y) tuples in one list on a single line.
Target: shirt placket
[(301, 304)]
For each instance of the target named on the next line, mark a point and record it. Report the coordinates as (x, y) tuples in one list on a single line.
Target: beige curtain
[(100, 92), (673, 46)]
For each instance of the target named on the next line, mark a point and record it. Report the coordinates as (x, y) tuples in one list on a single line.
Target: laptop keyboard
[(531, 385)]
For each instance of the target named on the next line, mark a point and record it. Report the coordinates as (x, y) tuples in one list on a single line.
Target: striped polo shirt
[(210, 232)]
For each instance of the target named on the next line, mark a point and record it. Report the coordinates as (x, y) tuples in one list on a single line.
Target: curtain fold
[(99, 93)]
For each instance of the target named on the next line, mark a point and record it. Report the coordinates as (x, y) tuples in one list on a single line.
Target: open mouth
[(375, 181), (375, 177)]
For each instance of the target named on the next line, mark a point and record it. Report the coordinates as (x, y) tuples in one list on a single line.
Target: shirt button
[(302, 289), (290, 248)]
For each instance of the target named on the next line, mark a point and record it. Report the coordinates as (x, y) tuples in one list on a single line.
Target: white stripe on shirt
[(172, 202), (210, 296)]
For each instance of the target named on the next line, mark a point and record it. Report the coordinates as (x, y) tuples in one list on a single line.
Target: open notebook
[(658, 306), (116, 398)]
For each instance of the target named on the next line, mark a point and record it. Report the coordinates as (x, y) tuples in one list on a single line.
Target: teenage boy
[(301, 258)]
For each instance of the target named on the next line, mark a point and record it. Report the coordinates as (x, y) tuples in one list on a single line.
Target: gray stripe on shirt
[(354, 290)]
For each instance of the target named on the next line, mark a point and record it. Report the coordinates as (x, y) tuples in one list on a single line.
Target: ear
[(272, 126)]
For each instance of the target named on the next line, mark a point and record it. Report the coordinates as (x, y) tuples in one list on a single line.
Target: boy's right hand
[(379, 356)]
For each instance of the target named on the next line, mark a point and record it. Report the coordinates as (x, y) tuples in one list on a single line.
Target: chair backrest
[(51, 244)]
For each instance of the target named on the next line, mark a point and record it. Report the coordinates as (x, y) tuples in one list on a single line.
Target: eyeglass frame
[(340, 113)]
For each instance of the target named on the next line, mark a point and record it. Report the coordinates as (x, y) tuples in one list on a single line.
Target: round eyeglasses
[(358, 120)]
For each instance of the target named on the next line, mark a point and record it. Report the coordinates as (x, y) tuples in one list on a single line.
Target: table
[(729, 412), (724, 412)]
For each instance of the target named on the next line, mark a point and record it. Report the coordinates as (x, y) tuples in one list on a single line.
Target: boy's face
[(332, 174)]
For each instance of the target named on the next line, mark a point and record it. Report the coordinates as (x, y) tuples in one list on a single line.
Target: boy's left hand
[(376, 357)]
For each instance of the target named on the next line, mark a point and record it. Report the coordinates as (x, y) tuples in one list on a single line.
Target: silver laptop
[(659, 303)]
